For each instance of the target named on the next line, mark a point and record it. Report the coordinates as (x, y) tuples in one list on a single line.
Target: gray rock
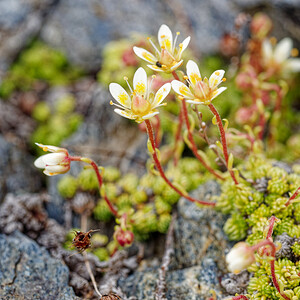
[(20, 22), (81, 28), (194, 283), (17, 173), (198, 260), (29, 272), (198, 231)]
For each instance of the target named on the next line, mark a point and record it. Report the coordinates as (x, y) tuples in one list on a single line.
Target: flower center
[(139, 105), (166, 58), (203, 91)]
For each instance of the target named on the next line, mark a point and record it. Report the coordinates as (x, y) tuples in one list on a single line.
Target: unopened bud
[(261, 25)]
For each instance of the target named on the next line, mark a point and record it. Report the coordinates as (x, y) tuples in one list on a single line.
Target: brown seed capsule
[(82, 240), (111, 296)]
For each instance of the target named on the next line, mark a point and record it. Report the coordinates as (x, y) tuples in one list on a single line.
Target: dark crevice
[(15, 269)]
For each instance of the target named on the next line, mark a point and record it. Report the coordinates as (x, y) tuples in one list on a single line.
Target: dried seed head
[(111, 296), (82, 240)]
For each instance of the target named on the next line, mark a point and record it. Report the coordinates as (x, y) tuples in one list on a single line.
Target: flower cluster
[(141, 104)]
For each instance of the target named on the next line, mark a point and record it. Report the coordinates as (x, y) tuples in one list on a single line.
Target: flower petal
[(173, 68), (124, 114), (283, 49), (51, 148), (145, 55), (218, 92), (183, 46), (155, 68), (39, 163), (161, 94), (165, 37), (120, 95), (267, 50), (292, 65), (193, 72), (150, 115), (53, 159), (182, 89), (140, 81), (195, 101), (216, 78), (56, 169)]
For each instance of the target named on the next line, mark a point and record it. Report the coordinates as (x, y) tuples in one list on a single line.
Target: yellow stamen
[(294, 52), (273, 40), (111, 103), (185, 77), (45, 149), (164, 66), (148, 38), (153, 76), (180, 45), (224, 79), (162, 36), (125, 78), (177, 32), (140, 88), (180, 97), (217, 73)]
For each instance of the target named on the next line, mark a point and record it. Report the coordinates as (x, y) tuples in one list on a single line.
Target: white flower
[(199, 91), (240, 257), (168, 58), (57, 162), (141, 104), (277, 58)]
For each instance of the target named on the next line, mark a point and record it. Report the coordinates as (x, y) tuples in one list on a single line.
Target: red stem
[(100, 182), (262, 124), (268, 242), (223, 138), (160, 169), (177, 137), (272, 221), (175, 75), (191, 139), (157, 129), (293, 196)]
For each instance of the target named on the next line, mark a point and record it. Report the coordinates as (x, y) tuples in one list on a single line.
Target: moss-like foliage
[(55, 123), (250, 205), (37, 63), (150, 197)]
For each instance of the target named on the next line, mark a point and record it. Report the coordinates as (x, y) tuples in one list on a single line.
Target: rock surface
[(82, 28), (198, 260), (29, 272), (20, 22), (17, 173)]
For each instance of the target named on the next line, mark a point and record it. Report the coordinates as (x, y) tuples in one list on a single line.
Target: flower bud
[(240, 257), (123, 237), (57, 162), (261, 25)]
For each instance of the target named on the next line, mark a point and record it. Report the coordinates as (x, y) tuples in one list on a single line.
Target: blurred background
[(57, 58)]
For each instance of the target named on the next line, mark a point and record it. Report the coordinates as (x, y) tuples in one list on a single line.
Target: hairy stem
[(268, 242), (223, 139), (161, 171), (83, 224), (99, 178), (193, 145), (293, 197), (239, 297)]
